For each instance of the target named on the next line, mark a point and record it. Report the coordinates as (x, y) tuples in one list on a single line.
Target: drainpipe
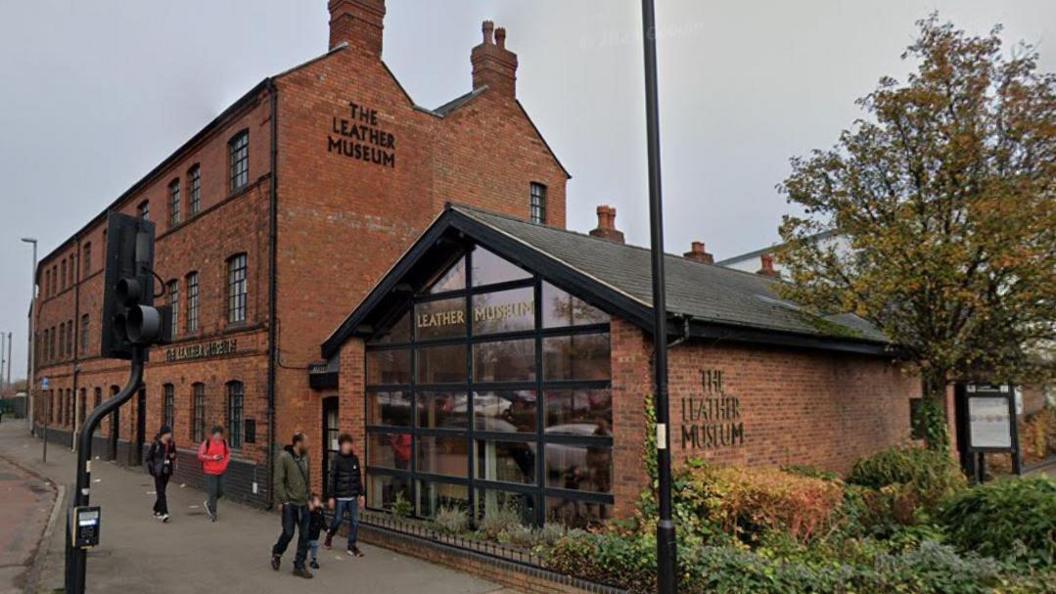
[(76, 343), (273, 236), (685, 333)]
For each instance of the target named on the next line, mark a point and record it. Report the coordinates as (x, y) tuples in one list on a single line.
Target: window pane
[(388, 367), (582, 357), (400, 331), (235, 397), (442, 364), (508, 411), (504, 311), (443, 455), (237, 288), (453, 279), (389, 450), (579, 468), (505, 461), (192, 302), (383, 490), (504, 361), (438, 319), (576, 514), (389, 408), (579, 412), (442, 410), (489, 269), (434, 496), (561, 309), (521, 505)]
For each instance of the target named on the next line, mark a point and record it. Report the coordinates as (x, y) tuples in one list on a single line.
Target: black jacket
[(161, 460), (346, 478), (315, 524)]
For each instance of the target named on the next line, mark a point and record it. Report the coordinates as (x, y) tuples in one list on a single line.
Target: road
[(191, 554)]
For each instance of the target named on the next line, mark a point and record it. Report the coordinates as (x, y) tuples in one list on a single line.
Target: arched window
[(192, 303), (237, 289), (194, 189), (168, 411), (238, 160), (235, 401), (198, 412)]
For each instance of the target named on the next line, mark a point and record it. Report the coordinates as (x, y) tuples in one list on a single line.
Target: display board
[(990, 417)]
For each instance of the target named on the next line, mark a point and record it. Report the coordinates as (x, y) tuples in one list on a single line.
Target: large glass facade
[(491, 391)]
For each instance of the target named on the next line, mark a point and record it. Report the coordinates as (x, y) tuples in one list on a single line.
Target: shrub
[(909, 478), (811, 472), (452, 520), (748, 501), (498, 521), (627, 562), (402, 507), (1012, 519)]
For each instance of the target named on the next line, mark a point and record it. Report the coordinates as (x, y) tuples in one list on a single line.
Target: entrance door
[(331, 429), (141, 429)]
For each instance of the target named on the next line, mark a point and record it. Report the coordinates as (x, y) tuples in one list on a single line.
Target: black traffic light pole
[(76, 558), (665, 528)]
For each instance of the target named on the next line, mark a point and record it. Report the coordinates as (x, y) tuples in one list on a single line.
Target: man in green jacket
[(292, 486)]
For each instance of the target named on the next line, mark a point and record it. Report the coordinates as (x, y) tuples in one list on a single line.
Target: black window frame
[(238, 161), (237, 288), (194, 190), (86, 324), (143, 210), (235, 413), (168, 405), (197, 426), (193, 302), (86, 260), (175, 203), (537, 203), (173, 289)]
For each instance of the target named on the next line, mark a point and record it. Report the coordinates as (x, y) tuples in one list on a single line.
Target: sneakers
[(275, 560), (209, 512), (329, 540), (355, 552), (164, 518), (314, 564), (303, 573)]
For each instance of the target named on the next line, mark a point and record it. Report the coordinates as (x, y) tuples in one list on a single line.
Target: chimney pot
[(767, 262), (360, 23), (500, 37), (606, 228), (697, 253), (487, 28), (494, 66)]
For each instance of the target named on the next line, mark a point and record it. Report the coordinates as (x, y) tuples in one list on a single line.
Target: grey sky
[(96, 93)]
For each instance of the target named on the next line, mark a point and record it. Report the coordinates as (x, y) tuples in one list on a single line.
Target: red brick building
[(318, 177), (501, 364)]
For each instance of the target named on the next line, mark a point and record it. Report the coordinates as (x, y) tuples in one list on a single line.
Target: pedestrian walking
[(214, 456), (161, 463), (345, 488), (291, 491), (315, 528)]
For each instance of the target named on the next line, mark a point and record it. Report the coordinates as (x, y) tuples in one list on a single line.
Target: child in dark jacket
[(315, 527)]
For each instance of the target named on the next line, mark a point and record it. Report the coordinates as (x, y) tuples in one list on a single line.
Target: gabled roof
[(703, 300)]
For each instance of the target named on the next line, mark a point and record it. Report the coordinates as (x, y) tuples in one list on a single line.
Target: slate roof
[(705, 292)]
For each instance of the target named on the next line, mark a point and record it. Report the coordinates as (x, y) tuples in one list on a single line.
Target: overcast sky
[(94, 94)]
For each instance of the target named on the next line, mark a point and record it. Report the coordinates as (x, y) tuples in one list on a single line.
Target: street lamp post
[(665, 529), (30, 384)]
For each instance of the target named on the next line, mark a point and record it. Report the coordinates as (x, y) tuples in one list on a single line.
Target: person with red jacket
[(214, 456)]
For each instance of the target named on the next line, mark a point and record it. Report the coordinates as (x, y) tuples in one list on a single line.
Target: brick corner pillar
[(631, 382), (352, 393)]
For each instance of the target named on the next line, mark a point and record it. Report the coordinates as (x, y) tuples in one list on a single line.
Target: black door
[(331, 429), (141, 429)]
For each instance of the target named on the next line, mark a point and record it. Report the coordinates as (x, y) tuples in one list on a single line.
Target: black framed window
[(198, 412), (62, 278), (238, 160), (85, 327), (143, 210), (538, 203), (492, 391), (98, 401), (236, 392), (86, 260), (173, 289), (194, 190), (175, 204), (168, 406), (192, 302), (62, 340), (69, 338), (237, 289)]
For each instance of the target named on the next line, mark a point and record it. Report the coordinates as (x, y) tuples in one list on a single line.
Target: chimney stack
[(359, 23), (607, 225), (493, 64), (767, 262), (697, 253)]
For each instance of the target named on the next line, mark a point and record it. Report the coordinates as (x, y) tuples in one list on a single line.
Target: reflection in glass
[(389, 450), (434, 496), (389, 408), (388, 367), (505, 461), (504, 361), (442, 364), (506, 411), (576, 514), (561, 309), (446, 456), (579, 468), (453, 279), (442, 410), (382, 490), (489, 269), (400, 331), (440, 319), (578, 357), (579, 412), (521, 504), (504, 311)]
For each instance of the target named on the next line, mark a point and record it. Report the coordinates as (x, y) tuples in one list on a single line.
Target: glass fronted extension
[(490, 390)]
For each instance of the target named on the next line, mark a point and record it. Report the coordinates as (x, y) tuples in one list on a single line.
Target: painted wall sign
[(712, 420), (216, 348), (481, 313), (361, 137)]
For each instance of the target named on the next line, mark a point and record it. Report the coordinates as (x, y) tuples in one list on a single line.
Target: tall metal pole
[(665, 529), (10, 352), (3, 361), (31, 376)]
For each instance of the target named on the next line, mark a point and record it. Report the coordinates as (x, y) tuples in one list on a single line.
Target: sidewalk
[(191, 554)]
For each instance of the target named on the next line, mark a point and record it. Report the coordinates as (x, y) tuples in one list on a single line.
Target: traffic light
[(129, 316)]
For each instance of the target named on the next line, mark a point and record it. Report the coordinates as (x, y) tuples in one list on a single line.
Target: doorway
[(331, 429)]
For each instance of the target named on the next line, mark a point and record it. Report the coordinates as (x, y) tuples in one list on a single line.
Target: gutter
[(273, 236)]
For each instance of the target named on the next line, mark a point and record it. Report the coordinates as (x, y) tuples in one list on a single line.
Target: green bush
[(908, 479), (811, 472), (452, 520), (1012, 519)]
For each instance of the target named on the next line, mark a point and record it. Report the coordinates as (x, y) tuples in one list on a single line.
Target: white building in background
[(761, 260)]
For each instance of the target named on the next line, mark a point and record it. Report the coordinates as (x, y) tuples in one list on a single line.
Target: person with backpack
[(292, 485), (345, 487), (214, 456), (161, 463)]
